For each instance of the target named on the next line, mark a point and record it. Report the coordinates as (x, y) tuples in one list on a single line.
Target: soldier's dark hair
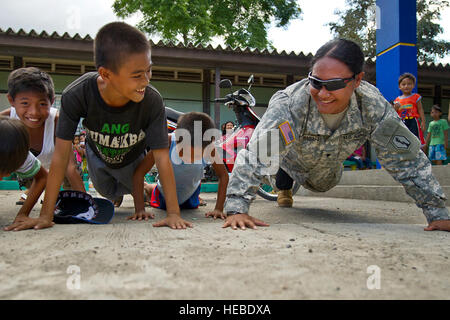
[(30, 79), (15, 144), (114, 42), (188, 122), (346, 51), (407, 75)]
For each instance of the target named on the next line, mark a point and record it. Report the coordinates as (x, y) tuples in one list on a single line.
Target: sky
[(87, 16)]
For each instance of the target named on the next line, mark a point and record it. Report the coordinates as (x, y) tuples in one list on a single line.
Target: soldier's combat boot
[(285, 198)]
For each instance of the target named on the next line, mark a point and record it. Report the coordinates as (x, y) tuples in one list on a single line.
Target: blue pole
[(396, 36), (396, 44)]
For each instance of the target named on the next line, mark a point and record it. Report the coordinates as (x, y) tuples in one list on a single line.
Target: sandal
[(117, 202), (23, 197), (201, 202)]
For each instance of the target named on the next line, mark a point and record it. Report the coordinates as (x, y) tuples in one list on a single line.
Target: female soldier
[(319, 122)]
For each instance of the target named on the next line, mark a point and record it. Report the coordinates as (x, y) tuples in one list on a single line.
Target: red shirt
[(408, 109)]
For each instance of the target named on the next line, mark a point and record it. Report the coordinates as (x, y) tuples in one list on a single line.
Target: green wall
[(185, 97), (4, 104), (62, 81), (4, 80), (181, 96)]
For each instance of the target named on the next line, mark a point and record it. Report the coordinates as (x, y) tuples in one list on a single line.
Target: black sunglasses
[(330, 85)]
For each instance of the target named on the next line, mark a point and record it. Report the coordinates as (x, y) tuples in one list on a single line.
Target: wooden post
[(217, 95), (206, 91)]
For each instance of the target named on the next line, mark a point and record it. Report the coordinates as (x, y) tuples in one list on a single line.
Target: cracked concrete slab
[(322, 248)]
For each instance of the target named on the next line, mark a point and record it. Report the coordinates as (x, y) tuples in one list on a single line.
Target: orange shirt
[(408, 109)]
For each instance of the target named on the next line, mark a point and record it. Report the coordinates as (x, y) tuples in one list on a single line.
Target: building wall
[(181, 96), (187, 96), (3, 90)]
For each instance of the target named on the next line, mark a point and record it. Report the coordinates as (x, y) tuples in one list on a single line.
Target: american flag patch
[(286, 132)]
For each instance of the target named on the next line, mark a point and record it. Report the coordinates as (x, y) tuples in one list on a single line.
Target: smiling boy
[(31, 94), (123, 115)]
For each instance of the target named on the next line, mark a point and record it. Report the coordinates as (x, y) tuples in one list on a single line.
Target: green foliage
[(239, 23), (357, 22)]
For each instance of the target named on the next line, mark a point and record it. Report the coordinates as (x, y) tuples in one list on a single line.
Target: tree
[(239, 23), (357, 23)]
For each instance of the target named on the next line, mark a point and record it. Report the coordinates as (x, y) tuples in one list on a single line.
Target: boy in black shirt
[(123, 114)]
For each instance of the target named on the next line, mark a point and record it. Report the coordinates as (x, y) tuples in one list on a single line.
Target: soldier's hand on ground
[(242, 221), (141, 215), (216, 214), (23, 223), (173, 221), (442, 225)]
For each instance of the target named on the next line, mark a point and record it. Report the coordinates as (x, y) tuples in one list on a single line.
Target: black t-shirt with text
[(118, 135)]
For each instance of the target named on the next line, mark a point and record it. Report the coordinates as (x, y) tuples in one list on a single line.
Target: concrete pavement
[(322, 248)]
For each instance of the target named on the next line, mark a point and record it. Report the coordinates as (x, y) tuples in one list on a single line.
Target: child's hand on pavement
[(173, 221), (442, 225), (215, 214), (23, 223), (243, 220), (141, 215)]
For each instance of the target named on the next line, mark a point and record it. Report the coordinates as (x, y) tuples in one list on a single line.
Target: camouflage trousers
[(318, 179)]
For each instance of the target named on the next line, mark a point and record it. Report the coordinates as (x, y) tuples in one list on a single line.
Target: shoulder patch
[(401, 142), (286, 132)]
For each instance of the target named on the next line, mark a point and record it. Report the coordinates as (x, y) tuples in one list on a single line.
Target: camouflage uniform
[(314, 156)]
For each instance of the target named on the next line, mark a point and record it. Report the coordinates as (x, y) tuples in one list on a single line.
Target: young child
[(409, 106), (83, 149), (437, 136), (123, 114), (78, 152), (16, 157), (188, 168), (359, 156), (227, 128), (31, 94)]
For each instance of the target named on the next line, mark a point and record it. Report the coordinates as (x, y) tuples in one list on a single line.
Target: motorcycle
[(242, 102)]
